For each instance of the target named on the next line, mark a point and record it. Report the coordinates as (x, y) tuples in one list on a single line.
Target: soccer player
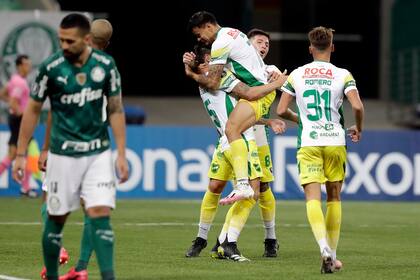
[(261, 41), (231, 48), (17, 90), (100, 35), (319, 88), (76, 80), (219, 104)]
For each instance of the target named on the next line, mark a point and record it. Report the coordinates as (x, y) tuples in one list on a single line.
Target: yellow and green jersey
[(319, 88), (78, 101)]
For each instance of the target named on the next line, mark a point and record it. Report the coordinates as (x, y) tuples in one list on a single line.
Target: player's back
[(233, 48), (319, 88)]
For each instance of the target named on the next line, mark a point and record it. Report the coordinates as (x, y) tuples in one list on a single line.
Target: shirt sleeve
[(40, 88), (228, 81), (221, 48), (288, 86), (349, 83), (114, 81)]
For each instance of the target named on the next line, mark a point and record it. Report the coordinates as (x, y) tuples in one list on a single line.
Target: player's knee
[(264, 187), (216, 186), (98, 211)]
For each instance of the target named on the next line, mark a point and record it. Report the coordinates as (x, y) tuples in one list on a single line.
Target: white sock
[(203, 230), (222, 237), (323, 244), (334, 254), (270, 230), (233, 234)]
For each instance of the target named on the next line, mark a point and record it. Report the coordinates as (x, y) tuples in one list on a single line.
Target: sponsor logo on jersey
[(80, 98), (214, 167), (97, 74), (62, 79), (318, 73), (81, 78), (313, 135)]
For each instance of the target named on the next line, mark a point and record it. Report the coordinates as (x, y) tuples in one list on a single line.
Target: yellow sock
[(223, 232), (240, 213), (317, 222), (267, 204), (333, 223), (207, 213), (239, 158)]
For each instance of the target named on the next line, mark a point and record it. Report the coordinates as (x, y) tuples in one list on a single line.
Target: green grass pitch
[(378, 241)]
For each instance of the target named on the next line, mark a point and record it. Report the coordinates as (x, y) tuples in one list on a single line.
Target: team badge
[(54, 203), (97, 74), (81, 78)]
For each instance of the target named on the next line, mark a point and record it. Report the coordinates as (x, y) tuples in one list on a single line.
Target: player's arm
[(358, 111), (27, 127), (283, 108), (244, 91), (42, 161), (117, 122), (277, 125), (211, 80)]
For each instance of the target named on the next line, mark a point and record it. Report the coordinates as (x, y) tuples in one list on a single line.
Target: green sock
[(103, 244), (51, 244), (85, 246), (44, 213)]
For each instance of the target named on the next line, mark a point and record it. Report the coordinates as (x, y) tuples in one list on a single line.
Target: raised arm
[(244, 91)]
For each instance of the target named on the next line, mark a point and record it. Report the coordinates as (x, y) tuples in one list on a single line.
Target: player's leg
[(7, 160), (242, 117), (241, 209), (14, 124), (311, 175), (62, 198), (220, 172), (267, 201), (98, 191), (334, 166)]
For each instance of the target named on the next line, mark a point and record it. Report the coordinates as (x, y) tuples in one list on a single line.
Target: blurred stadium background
[(170, 138)]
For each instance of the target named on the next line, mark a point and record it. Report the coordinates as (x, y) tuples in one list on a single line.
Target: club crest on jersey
[(81, 78), (97, 74)]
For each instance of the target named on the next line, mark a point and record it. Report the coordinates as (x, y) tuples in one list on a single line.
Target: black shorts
[(14, 125)]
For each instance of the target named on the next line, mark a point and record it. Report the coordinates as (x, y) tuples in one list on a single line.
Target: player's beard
[(72, 57)]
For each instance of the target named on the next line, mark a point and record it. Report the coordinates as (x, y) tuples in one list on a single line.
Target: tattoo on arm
[(115, 105), (241, 90), (212, 79)]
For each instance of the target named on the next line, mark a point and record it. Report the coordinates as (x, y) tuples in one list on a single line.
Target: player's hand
[(122, 168), (42, 160), (189, 59), (277, 125), (354, 134), (19, 168), (280, 79), (188, 71)]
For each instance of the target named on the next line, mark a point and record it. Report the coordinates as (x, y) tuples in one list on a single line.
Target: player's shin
[(86, 247), (51, 244), (240, 213), (207, 213), (317, 222), (102, 237), (267, 204), (333, 223)]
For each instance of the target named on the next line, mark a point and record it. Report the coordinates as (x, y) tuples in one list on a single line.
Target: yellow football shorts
[(321, 164), (266, 164), (262, 105), (221, 167)]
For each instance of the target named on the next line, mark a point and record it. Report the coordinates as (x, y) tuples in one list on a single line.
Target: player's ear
[(332, 48), (88, 39), (310, 49)]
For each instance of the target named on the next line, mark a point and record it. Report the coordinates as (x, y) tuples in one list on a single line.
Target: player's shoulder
[(52, 61), (227, 34), (102, 58), (339, 71)]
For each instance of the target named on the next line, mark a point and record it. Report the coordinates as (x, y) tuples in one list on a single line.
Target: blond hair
[(321, 37)]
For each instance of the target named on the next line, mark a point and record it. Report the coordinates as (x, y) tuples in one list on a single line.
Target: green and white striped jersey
[(319, 88), (78, 101)]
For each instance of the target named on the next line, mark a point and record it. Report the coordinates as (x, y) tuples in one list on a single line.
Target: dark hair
[(321, 37), (200, 18), (76, 20), (255, 31), (200, 52), (20, 58)]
